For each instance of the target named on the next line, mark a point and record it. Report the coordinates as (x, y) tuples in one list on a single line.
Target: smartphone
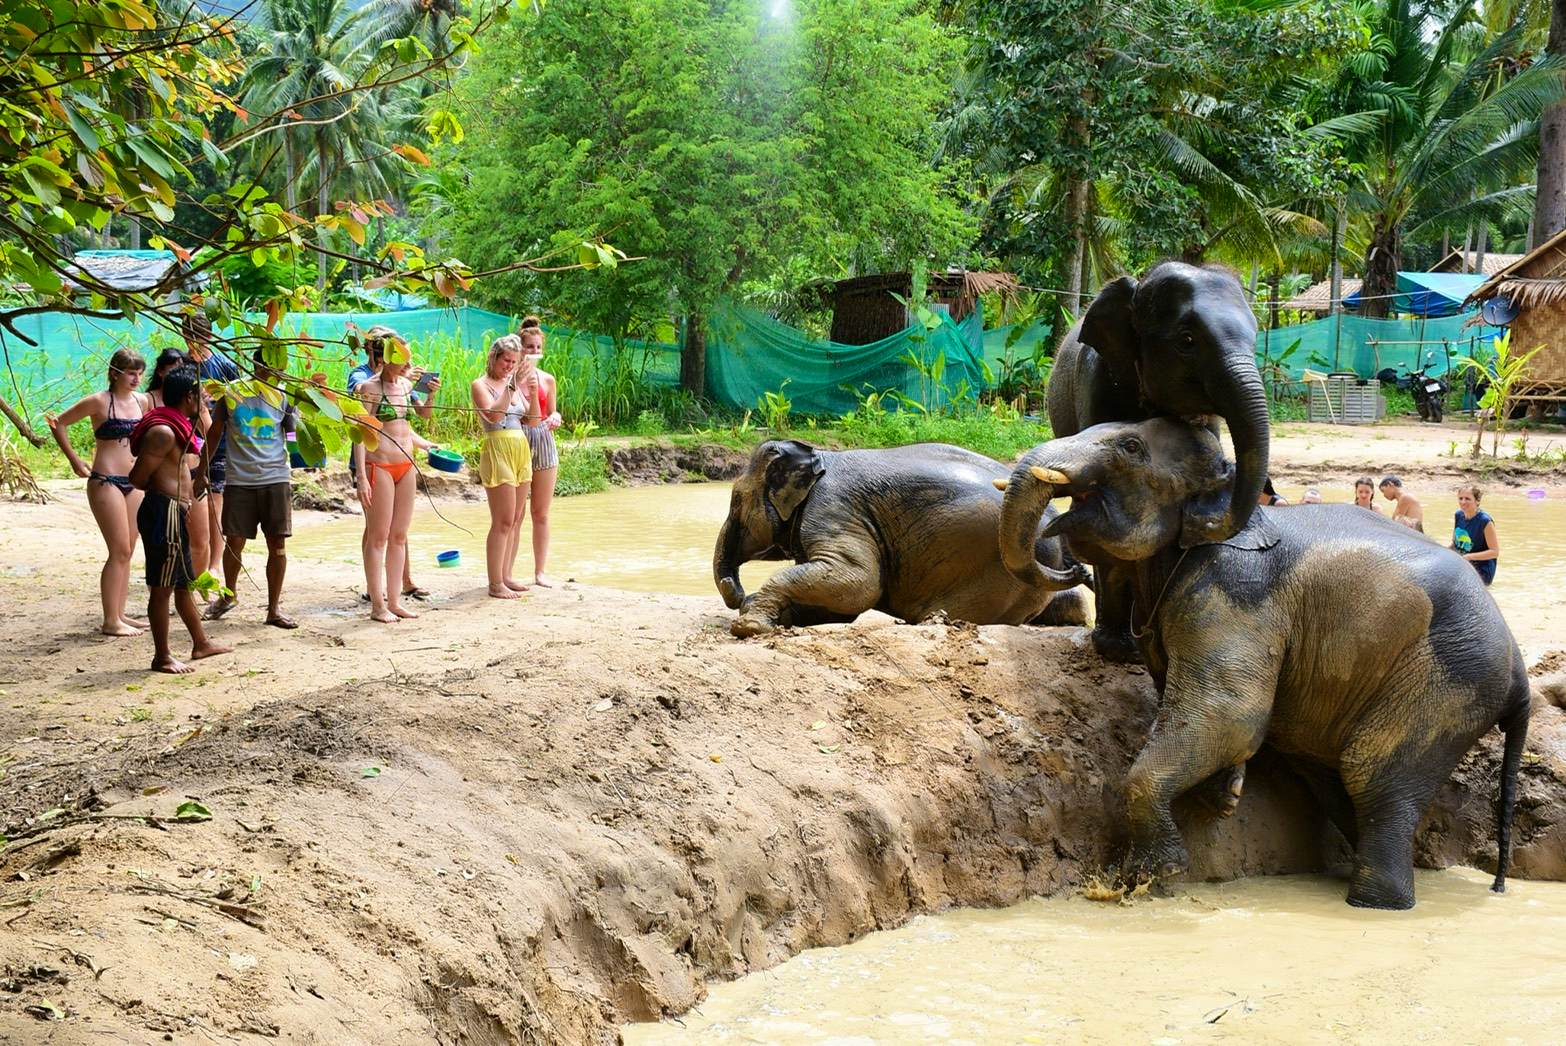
[(422, 386)]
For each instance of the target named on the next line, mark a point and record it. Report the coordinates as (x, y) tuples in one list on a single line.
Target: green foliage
[(1505, 370), (717, 141), (583, 470), (775, 408), (997, 431)]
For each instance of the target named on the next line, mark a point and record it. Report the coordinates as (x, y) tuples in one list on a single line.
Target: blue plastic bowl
[(445, 460), (449, 558)]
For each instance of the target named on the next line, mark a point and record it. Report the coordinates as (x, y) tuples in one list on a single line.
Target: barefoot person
[(258, 493), (505, 460), (424, 406), (161, 440), (387, 481), (110, 495), (541, 441), (1408, 511), (200, 536), (1473, 533), (212, 365)]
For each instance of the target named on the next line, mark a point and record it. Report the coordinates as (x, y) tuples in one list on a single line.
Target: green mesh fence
[(749, 353)]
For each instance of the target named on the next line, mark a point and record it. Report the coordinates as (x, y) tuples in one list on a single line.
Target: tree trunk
[(693, 355), (1549, 207), (1272, 301), (290, 175), (1381, 265), (322, 202), (1335, 287), (134, 238), (1076, 210), (15, 417), (1479, 249)]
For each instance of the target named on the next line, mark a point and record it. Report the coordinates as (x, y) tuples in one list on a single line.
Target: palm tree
[(1440, 138), (311, 57)]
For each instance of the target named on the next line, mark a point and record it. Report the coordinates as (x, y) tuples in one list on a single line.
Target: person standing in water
[(114, 501), (161, 440), (1408, 511), (541, 441), (1473, 533), (503, 401), (387, 482), (259, 491), (1365, 493)]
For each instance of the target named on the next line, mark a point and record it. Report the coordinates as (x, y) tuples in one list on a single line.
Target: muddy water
[(659, 539), (1278, 959), (645, 539)]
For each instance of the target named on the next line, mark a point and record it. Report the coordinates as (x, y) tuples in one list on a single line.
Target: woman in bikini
[(541, 441), (506, 398), (387, 482), (114, 502)]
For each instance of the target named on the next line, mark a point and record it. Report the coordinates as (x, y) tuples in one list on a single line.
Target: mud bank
[(585, 825)]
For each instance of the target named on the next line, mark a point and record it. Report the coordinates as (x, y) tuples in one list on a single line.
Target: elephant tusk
[(1001, 484), (1051, 476)]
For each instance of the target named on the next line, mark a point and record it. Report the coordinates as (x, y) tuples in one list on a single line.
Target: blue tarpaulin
[(1428, 293)]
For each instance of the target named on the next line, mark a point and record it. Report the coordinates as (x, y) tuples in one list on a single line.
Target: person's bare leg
[(276, 568), (543, 495), (158, 618), (215, 542), (515, 544), (397, 542), (108, 509), (132, 506), (377, 529), (233, 563), (200, 534), (502, 509), (200, 645)]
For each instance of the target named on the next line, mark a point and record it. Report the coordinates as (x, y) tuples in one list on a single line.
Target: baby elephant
[(1371, 658), (909, 531)]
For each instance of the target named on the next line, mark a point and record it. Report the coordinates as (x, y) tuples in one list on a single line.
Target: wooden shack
[(1535, 288), (867, 309)]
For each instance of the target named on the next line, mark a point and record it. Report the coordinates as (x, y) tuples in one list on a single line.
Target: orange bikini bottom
[(395, 469)]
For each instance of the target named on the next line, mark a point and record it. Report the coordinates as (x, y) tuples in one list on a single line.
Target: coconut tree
[(1442, 135)]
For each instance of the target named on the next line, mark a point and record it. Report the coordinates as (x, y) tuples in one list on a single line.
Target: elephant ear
[(1107, 328), (791, 474)]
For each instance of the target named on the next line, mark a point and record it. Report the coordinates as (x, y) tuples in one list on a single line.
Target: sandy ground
[(531, 821)]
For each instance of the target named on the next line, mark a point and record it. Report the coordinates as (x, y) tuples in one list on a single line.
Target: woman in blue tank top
[(1473, 533)]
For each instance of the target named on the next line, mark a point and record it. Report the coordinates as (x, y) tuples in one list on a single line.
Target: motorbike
[(1428, 390)]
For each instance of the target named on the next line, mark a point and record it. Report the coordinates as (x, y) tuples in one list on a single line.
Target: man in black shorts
[(160, 442)]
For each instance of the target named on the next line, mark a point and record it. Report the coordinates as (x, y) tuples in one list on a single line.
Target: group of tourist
[(196, 478), (1473, 529)]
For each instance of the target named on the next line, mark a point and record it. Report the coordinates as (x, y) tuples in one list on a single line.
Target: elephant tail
[(1515, 726)]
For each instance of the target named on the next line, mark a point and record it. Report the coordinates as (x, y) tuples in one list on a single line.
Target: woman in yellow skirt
[(506, 397)]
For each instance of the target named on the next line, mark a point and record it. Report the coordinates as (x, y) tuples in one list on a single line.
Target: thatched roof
[(1318, 296), (1457, 261), (1537, 278)]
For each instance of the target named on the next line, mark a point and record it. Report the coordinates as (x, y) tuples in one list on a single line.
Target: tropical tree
[(1440, 139), (1549, 214)]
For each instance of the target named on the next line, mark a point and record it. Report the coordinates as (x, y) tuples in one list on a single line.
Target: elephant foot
[(1118, 647), (1162, 861), (1375, 889), (1221, 792), (747, 625)]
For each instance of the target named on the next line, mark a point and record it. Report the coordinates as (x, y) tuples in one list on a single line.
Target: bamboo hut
[(1534, 288)]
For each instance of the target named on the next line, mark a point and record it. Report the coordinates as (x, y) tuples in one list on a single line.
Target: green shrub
[(583, 470)]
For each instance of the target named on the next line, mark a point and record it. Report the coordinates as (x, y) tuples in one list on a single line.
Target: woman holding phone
[(541, 440), (506, 398)]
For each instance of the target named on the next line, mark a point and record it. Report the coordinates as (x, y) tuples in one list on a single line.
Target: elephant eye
[(1185, 342), (1132, 445)]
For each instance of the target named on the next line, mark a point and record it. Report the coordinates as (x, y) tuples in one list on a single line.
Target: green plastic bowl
[(446, 460)]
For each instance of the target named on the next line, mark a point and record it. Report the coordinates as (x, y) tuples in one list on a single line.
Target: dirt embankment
[(586, 821)]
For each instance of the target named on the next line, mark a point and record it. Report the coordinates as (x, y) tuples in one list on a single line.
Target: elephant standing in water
[(1181, 343), (909, 531), (1369, 657)]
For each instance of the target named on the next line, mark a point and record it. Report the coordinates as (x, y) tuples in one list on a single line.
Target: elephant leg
[(825, 586), (1114, 588), (1213, 718), (803, 617), (1064, 608), (1390, 790), (1221, 792), (1325, 784)]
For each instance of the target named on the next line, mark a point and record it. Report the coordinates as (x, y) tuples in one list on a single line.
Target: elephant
[(909, 531), (1369, 657), (1182, 342)]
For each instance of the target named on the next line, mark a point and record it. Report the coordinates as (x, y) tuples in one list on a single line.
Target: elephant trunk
[(1242, 401), (1028, 493), (726, 560)]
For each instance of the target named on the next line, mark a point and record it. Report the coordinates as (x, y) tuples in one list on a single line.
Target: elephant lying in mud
[(1369, 657), (909, 531)]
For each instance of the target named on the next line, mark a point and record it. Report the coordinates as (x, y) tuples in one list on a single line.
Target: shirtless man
[(1407, 511), (160, 442)]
